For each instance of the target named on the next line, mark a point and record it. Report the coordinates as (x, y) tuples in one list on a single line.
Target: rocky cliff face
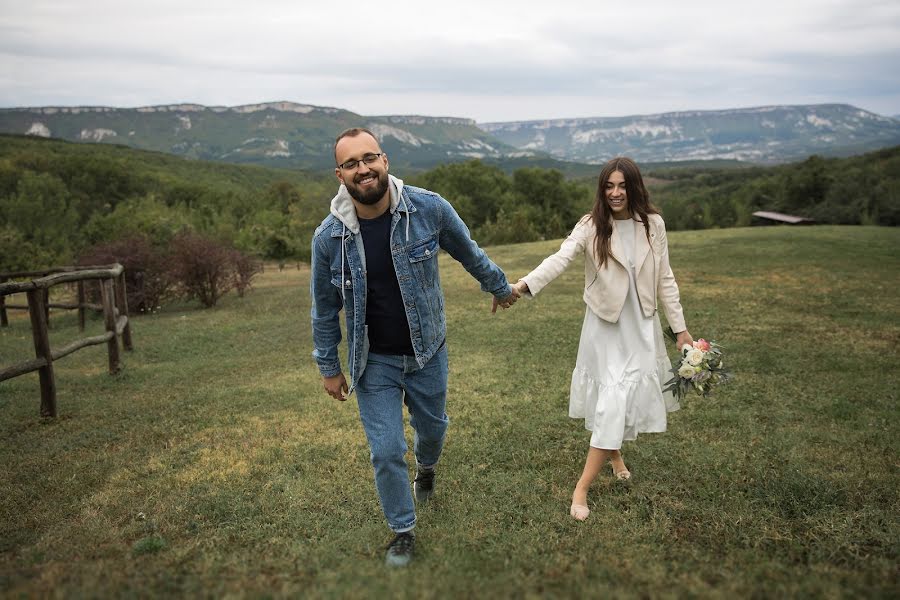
[(765, 134), (282, 134), (292, 135)]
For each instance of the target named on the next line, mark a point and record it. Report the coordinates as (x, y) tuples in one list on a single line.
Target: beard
[(372, 195)]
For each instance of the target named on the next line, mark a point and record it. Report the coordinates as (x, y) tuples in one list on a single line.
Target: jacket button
[(427, 252), (347, 283)]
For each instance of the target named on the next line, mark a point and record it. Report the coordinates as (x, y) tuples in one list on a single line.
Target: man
[(375, 256)]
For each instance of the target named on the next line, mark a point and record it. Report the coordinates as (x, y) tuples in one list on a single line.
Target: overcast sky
[(482, 59)]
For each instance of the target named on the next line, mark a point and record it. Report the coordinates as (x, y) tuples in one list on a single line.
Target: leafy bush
[(147, 278), (149, 545), (206, 269), (245, 269)]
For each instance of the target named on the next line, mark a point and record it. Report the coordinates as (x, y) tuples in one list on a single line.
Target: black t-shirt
[(385, 315)]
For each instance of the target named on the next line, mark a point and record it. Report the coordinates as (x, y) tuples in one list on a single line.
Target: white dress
[(621, 367)]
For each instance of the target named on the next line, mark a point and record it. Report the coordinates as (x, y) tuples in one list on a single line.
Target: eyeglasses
[(368, 159)]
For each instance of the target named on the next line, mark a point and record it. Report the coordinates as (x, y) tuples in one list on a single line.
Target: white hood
[(342, 204)]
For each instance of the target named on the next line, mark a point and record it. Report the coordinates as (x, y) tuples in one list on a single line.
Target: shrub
[(206, 269), (245, 269), (147, 278), (149, 545)]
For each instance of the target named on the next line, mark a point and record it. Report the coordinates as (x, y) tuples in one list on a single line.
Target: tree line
[(60, 201), (535, 203), (860, 190)]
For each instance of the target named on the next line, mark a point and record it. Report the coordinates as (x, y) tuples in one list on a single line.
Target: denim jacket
[(423, 223)]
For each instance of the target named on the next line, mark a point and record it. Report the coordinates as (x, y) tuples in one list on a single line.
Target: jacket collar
[(641, 247), (345, 212)]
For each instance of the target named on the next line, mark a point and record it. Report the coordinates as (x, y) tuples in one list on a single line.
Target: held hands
[(336, 386), (518, 289)]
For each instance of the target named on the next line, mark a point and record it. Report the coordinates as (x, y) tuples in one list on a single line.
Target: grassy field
[(214, 465)]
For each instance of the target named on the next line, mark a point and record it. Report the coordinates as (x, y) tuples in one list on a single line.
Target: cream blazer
[(605, 288)]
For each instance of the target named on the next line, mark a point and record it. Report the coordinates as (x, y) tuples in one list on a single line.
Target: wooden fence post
[(109, 315), (42, 351), (81, 301), (122, 304), (46, 292), (4, 322)]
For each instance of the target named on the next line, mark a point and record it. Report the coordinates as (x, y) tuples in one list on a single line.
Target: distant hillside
[(769, 134), (58, 198), (276, 134), (300, 136)]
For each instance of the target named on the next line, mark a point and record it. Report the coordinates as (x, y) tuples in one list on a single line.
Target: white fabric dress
[(621, 367)]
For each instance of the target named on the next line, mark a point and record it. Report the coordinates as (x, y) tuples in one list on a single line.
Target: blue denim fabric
[(422, 224), (387, 384)]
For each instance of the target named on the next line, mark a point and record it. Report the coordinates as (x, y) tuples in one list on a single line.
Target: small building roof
[(782, 218)]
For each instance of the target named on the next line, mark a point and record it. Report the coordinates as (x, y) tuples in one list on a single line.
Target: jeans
[(388, 383)]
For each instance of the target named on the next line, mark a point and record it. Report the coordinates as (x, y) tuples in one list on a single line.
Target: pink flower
[(702, 344)]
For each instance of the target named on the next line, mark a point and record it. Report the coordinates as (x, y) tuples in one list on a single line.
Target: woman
[(622, 362)]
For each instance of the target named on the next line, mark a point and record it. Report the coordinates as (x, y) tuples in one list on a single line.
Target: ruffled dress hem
[(616, 403)]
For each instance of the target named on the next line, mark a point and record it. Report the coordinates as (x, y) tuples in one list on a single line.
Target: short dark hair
[(352, 132)]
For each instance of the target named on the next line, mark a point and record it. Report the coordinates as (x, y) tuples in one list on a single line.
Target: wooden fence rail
[(81, 305), (115, 312)]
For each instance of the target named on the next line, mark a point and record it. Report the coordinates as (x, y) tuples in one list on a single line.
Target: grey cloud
[(572, 62)]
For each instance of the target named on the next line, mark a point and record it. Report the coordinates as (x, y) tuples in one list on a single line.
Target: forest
[(59, 200)]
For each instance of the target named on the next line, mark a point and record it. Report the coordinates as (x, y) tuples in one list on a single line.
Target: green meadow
[(215, 465)]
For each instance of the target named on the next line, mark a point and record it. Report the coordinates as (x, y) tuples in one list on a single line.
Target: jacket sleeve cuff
[(503, 292), (330, 370), (531, 292)]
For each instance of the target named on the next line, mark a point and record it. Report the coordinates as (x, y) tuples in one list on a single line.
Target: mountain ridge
[(289, 134), (278, 134), (765, 134)]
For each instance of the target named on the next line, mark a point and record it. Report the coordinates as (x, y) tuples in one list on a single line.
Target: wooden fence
[(115, 312), (80, 305)]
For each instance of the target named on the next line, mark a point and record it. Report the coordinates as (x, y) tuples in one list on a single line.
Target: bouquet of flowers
[(700, 369)]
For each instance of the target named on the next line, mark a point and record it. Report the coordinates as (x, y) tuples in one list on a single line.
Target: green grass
[(214, 465)]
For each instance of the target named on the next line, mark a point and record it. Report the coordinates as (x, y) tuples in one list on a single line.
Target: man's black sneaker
[(423, 485), (400, 550)]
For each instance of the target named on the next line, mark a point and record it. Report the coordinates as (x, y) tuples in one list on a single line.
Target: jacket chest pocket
[(423, 261), (347, 280)]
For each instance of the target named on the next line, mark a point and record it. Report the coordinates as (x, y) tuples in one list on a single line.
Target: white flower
[(694, 356), (686, 371), (686, 347)]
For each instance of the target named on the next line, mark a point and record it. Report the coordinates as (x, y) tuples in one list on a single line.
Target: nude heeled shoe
[(622, 475), (579, 512)]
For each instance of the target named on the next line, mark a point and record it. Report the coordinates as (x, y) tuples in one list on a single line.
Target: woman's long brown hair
[(638, 203)]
